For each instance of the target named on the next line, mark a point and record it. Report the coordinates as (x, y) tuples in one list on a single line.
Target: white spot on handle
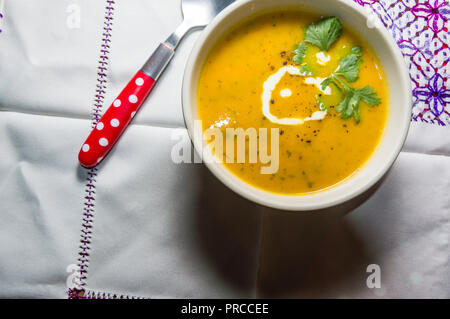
[(133, 98), (103, 142), (115, 122), (139, 81)]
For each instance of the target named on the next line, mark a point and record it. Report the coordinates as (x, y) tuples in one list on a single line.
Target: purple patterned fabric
[(435, 14), (434, 94), (420, 28)]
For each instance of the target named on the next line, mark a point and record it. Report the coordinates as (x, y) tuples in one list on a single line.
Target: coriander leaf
[(357, 50), (353, 104), (324, 33), (350, 105), (299, 53), (305, 69), (348, 111), (326, 82), (342, 107), (329, 81), (348, 68), (357, 115), (368, 95)]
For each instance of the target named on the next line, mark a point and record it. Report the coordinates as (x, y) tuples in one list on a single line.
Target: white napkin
[(167, 230)]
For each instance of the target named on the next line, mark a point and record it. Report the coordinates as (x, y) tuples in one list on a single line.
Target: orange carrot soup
[(314, 80)]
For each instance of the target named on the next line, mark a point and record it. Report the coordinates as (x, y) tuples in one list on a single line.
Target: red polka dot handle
[(111, 126)]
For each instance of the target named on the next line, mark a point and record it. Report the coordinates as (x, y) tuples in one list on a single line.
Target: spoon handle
[(116, 119)]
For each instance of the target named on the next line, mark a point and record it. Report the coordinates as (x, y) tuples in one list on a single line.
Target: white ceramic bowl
[(397, 125)]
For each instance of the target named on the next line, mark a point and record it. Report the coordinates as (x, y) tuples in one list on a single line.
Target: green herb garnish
[(324, 33), (350, 105), (348, 69), (357, 50), (299, 53), (305, 69), (329, 81)]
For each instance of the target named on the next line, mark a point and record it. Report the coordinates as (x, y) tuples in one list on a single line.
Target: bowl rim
[(234, 182)]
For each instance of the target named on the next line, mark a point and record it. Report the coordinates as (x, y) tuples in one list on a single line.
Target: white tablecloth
[(166, 230)]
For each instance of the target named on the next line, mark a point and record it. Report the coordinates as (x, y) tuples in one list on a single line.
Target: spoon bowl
[(199, 13)]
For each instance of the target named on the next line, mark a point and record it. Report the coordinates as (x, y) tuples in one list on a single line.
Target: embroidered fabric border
[(89, 199), (1, 13), (90, 294), (420, 29)]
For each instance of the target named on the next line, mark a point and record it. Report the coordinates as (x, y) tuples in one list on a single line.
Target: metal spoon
[(197, 14)]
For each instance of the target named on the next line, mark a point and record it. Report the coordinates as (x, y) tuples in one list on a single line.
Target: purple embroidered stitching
[(89, 294), (420, 29), (1, 17), (89, 204)]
